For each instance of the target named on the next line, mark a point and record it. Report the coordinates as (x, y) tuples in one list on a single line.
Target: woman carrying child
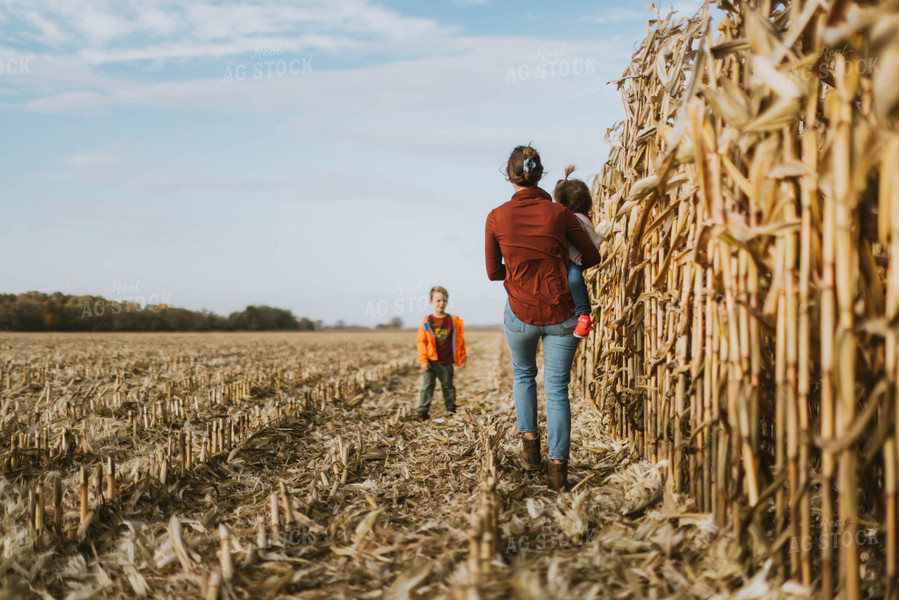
[(526, 247), (574, 195)]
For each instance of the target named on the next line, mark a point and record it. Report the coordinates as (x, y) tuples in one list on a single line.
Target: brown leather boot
[(557, 473), (530, 453)]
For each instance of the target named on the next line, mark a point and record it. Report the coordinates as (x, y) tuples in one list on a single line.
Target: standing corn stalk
[(749, 297)]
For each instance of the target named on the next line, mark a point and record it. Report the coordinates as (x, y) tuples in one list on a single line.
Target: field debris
[(289, 491)]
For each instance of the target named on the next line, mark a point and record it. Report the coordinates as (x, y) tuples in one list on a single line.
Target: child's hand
[(425, 366), (463, 363)]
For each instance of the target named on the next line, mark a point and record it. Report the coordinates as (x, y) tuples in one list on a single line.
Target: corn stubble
[(110, 444), (747, 302), (269, 465)]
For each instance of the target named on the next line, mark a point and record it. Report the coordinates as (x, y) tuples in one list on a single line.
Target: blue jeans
[(559, 346), (578, 289)]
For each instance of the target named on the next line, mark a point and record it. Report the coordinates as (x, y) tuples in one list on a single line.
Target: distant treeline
[(36, 311)]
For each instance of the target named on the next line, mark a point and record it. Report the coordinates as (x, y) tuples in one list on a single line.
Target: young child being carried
[(441, 345), (573, 194)]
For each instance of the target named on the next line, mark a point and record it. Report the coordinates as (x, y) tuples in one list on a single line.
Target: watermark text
[(266, 63)]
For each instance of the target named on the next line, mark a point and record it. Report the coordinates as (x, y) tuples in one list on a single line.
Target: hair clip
[(529, 165)]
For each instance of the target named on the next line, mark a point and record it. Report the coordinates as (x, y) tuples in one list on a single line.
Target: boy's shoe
[(420, 418), (583, 326)]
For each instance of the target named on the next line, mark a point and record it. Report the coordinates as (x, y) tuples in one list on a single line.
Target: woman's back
[(530, 232)]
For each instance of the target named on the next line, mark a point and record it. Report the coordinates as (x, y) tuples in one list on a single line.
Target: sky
[(336, 158)]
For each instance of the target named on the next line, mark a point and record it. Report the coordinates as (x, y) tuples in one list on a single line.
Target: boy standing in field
[(441, 346)]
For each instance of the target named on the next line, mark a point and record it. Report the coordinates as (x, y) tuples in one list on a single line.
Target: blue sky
[(334, 157)]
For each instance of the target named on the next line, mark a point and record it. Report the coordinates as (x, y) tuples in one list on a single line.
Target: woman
[(531, 233)]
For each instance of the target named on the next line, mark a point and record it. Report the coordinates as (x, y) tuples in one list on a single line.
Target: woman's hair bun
[(524, 167)]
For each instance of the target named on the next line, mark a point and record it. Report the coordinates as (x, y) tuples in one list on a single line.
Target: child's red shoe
[(583, 326)]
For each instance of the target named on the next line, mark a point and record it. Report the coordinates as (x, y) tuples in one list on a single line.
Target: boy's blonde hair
[(438, 289)]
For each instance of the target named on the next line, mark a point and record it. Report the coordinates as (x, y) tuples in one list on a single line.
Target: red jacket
[(531, 233), (427, 343)]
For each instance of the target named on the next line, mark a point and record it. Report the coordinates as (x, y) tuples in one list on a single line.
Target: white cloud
[(161, 22), (449, 71), (453, 103), (49, 33), (108, 31), (461, 72), (212, 50)]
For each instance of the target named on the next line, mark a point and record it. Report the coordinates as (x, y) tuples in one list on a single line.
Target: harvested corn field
[(735, 415), (283, 465)]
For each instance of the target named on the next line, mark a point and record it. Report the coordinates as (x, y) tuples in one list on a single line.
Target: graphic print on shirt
[(443, 329)]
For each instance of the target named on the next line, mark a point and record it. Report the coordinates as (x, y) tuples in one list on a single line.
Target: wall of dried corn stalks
[(748, 301)]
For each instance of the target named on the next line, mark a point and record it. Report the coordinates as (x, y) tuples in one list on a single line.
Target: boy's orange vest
[(427, 343)]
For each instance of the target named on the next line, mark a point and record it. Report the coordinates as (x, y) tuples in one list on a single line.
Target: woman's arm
[(580, 239), (496, 270)]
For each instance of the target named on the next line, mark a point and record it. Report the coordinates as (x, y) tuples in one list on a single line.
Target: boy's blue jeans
[(578, 289), (559, 346)]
